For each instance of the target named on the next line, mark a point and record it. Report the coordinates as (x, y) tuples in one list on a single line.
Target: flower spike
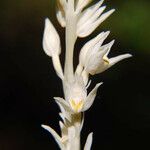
[(78, 21)]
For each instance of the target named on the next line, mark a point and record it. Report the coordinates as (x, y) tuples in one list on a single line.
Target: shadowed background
[(120, 116)]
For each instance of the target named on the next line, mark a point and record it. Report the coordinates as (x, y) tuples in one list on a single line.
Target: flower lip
[(76, 105)]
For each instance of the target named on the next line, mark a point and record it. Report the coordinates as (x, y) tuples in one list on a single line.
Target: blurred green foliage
[(132, 23)]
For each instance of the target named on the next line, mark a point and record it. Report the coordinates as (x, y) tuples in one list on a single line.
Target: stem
[(57, 66), (74, 140), (71, 23)]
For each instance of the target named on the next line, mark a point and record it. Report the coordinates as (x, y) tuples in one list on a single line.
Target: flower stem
[(71, 23)]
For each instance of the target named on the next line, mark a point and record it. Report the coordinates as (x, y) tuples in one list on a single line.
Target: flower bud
[(51, 40)]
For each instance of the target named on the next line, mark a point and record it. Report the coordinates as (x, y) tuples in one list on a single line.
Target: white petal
[(51, 40), (90, 98), (91, 27), (108, 47), (104, 16), (95, 62), (116, 59), (87, 13), (87, 48), (61, 19), (55, 135), (91, 20), (62, 102), (64, 106), (97, 14), (88, 143), (81, 4)]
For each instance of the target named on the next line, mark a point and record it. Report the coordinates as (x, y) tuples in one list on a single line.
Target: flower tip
[(55, 98), (124, 56), (113, 10), (116, 59), (101, 2), (107, 32), (112, 42), (108, 13), (47, 21), (44, 126), (103, 7), (129, 55)]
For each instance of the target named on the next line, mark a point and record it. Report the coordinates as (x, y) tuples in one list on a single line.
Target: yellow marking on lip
[(106, 60), (76, 106)]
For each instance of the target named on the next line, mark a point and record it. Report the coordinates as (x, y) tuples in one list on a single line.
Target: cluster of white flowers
[(78, 21)]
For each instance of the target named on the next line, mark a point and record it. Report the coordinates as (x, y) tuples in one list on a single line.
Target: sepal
[(88, 143)]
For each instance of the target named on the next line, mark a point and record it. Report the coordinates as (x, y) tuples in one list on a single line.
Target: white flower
[(94, 57), (77, 98), (88, 19), (91, 18), (69, 132), (51, 40)]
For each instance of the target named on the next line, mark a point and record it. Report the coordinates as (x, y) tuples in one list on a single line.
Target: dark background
[(120, 116)]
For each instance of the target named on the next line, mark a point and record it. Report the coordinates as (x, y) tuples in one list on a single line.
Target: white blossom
[(94, 57), (77, 97), (91, 18)]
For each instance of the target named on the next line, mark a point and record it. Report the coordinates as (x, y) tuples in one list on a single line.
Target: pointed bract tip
[(107, 32), (44, 126), (99, 84), (129, 55), (47, 20), (113, 10)]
